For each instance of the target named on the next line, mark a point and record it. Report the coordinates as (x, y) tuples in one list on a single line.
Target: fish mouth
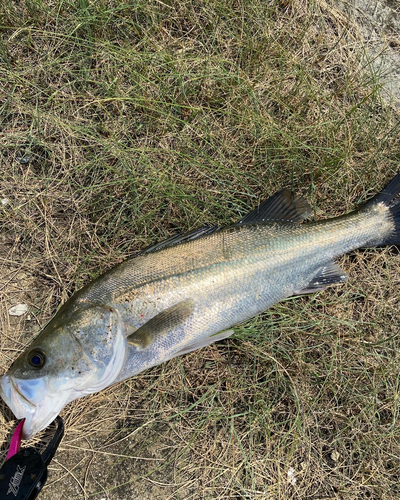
[(14, 399), (37, 416)]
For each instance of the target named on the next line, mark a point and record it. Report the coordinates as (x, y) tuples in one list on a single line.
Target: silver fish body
[(185, 294), (231, 276)]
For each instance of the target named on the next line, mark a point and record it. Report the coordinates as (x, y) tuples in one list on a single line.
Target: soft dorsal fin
[(180, 238), (282, 206), (161, 324), (328, 275)]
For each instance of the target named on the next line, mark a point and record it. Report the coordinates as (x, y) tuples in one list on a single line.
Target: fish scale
[(263, 269)]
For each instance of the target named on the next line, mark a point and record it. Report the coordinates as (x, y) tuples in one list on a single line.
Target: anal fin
[(327, 275), (204, 342)]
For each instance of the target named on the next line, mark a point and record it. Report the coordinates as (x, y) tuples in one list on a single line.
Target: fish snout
[(23, 400)]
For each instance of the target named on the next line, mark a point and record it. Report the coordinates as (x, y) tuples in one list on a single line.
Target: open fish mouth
[(37, 415), (16, 401)]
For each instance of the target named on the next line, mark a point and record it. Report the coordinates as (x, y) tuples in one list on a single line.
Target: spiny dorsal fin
[(282, 206), (180, 238), (325, 276), (161, 324)]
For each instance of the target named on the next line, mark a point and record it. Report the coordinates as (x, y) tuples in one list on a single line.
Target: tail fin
[(390, 197)]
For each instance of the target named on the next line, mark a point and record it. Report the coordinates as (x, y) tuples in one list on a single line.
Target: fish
[(184, 293)]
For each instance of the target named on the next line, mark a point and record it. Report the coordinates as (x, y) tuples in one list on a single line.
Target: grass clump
[(123, 123)]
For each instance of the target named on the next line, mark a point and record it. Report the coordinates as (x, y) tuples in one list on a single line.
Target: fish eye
[(36, 358)]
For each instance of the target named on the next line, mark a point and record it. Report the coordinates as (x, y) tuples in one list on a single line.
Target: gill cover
[(79, 352)]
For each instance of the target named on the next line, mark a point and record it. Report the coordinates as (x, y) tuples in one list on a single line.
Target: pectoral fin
[(161, 324)]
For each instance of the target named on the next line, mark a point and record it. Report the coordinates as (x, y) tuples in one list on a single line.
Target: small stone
[(291, 478), (24, 159), (335, 456), (18, 310)]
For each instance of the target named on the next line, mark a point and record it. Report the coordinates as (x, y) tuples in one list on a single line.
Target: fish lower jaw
[(43, 415), (32, 427), (37, 416), (13, 399), (17, 405)]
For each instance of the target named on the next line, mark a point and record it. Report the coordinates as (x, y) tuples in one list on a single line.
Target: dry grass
[(124, 123)]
